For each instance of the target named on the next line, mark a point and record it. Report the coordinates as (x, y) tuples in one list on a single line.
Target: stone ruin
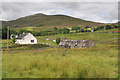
[(76, 43)]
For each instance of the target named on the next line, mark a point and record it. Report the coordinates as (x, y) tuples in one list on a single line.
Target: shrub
[(82, 30), (57, 41), (87, 27), (65, 31), (108, 27), (101, 27), (14, 40)]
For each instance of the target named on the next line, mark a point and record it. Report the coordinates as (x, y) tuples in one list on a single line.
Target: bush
[(57, 41), (14, 40), (87, 27), (13, 32), (65, 31), (82, 30), (101, 27), (115, 26), (55, 29), (34, 46), (108, 27), (96, 28), (28, 46)]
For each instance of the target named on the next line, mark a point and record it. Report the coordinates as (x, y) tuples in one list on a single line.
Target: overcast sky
[(105, 12)]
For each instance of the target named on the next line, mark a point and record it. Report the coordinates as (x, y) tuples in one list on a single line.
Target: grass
[(4, 43), (109, 30), (75, 36), (82, 36), (36, 29), (97, 62), (61, 63), (26, 47)]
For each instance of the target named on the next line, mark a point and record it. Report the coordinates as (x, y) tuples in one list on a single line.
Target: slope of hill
[(42, 20)]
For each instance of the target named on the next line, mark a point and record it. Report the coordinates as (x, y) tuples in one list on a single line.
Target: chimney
[(23, 32)]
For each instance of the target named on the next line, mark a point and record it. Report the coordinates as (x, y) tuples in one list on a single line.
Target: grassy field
[(79, 36), (97, 62), (75, 36), (61, 63), (37, 29)]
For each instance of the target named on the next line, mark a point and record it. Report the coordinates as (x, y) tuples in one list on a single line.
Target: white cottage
[(26, 38)]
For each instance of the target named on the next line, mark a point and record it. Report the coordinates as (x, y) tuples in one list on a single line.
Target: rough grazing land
[(97, 62), (60, 63)]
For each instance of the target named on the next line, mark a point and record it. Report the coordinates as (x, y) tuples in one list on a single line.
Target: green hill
[(42, 20)]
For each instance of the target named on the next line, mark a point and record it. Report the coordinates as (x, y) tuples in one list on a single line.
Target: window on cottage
[(32, 41)]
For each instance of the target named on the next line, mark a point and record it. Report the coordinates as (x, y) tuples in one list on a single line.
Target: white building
[(26, 38)]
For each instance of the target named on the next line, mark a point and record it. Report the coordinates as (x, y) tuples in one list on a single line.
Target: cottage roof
[(21, 36)]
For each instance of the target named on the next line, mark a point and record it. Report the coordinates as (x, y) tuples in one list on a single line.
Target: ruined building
[(76, 43)]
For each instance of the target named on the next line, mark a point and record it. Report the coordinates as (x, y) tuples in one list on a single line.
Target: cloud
[(60, 0), (94, 11)]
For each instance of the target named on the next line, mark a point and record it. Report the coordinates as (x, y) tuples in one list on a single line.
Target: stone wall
[(76, 43)]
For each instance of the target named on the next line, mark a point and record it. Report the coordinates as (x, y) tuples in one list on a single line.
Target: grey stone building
[(76, 43)]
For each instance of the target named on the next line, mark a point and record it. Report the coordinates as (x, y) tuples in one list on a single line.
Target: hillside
[(42, 20)]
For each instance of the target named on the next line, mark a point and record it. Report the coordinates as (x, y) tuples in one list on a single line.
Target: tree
[(87, 27), (4, 33), (95, 29), (108, 27), (60, 30), (77, 31), (57, 41), (101, 27), (65, 31), (55, 29), (21, 31), (14, 40), (13, 32), (82, 30), (115, 26)]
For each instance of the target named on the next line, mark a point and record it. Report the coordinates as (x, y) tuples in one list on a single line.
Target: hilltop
[(42, 20)]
